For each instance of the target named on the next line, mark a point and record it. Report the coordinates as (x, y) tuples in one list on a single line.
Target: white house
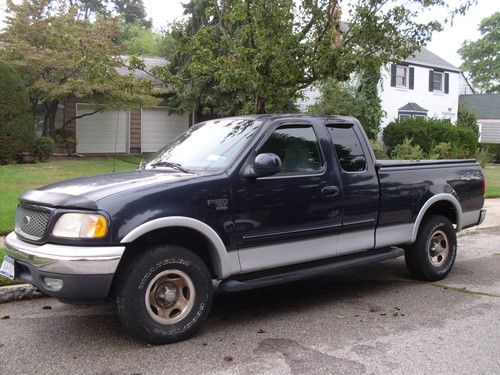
[(423, 85)]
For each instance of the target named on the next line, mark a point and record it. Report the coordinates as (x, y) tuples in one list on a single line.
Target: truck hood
[(84, 192)]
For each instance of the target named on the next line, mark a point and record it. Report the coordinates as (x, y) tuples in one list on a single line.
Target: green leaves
[(239, 56), (481, 56)]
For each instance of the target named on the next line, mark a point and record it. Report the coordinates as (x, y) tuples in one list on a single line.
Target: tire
[(164, 295), (432, 255)]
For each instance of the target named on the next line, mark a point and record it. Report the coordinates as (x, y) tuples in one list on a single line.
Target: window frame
[(406, 76), (347, 126), (270, 131), (434, 89)]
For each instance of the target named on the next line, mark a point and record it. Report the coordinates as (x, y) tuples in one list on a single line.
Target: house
[(423, 85), (487, 109), (136, 131)]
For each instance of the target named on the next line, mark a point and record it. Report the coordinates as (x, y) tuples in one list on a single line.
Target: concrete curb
[(11, 293)]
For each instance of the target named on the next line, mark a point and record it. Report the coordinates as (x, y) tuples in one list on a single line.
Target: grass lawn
[(17, 178), (492, 173)]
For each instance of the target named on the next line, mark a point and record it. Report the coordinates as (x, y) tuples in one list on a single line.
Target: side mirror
[(264, 165)]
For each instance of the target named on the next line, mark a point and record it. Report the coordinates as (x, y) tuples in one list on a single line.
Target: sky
[(445, 44)]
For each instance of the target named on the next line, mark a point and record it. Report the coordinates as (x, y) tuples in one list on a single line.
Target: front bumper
[(86, 271)]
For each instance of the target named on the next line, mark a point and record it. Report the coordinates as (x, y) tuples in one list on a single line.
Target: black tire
[(424, 258), (141, 317)]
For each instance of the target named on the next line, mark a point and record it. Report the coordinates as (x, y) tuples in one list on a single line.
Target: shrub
[(442, 150), (407, 150), (467, 119), (43, 148), (493, 149), (427, 133), (64, 141), (16, 120), (483, 156), (378, 149)]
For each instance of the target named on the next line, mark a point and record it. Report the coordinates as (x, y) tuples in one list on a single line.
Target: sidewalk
[(493, 214)]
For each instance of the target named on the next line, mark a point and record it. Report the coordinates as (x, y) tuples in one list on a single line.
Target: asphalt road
[(372, 320)]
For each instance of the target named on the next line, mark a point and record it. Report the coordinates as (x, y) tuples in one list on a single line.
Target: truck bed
[(413, 163)]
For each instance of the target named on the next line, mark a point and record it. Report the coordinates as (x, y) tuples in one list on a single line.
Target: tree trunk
[(54, 106), (260, 105)]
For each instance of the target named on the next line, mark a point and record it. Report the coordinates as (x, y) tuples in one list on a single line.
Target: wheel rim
[(170, 296), (438, 248)]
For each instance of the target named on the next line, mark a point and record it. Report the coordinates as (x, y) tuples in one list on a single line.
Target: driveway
[(370, 320)]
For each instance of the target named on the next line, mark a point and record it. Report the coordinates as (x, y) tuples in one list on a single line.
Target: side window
[(348, 148), (297, 147)]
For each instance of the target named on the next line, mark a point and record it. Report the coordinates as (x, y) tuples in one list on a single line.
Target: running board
[(304, 271)]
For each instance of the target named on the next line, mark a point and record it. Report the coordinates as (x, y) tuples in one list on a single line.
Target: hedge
[(428, 133), (16, 121)]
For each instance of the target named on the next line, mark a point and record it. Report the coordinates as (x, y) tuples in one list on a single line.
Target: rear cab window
[(348, 148)]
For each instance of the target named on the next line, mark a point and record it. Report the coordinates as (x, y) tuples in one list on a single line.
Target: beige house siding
[(489, 131)]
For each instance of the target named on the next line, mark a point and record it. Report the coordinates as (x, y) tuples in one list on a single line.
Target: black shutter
[(431, 80), (393, 75), (412, 78), (446, 83)]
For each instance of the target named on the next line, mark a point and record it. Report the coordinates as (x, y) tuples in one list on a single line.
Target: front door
[(292, 216)]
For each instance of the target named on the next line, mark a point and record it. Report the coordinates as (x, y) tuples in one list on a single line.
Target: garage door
[(158, 128), (98, 133)]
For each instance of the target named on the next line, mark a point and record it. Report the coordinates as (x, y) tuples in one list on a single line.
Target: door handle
[(330, 191)]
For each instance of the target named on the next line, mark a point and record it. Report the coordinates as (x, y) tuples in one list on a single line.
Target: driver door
[(295, 215)]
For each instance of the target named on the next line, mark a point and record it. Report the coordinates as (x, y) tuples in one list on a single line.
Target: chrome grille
[(31, 223)]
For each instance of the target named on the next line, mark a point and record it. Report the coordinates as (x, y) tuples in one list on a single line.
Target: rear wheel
[(165, 295), (433, 254)]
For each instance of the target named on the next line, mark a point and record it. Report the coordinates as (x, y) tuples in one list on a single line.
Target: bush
[(407, 150), (493, 149), (64, 141), (378, 149), (16, 120), (442, 150), (483, 157), (467, 119), (43, 148), (427, 133)]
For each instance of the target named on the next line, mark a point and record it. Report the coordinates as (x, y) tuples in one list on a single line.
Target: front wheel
[(165, 295), (433, 254)]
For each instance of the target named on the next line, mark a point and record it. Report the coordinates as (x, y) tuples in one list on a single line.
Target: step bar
[(305, 271)]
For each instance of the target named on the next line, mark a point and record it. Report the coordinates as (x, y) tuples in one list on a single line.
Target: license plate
[(7, 268)]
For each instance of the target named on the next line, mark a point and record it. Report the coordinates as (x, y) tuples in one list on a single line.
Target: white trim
[(438, 198), (225, 265), (287, 253)]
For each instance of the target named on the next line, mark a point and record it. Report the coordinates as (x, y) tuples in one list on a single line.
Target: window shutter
[(412, 78), (393, 75), (446, 83), (431, 80)]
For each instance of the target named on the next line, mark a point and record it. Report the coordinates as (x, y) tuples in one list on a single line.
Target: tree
[(16, 122), (467, 119), (241, 56), (132, 11), (140, 40), (358, 98), (59, 55), (481, 56)]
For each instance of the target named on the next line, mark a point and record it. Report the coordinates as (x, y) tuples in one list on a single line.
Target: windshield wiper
[(170, 164)]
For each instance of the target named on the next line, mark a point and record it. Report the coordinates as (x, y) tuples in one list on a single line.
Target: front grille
[(31, 223)]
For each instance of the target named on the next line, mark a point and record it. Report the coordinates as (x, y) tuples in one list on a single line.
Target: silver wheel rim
[(438, 248), (169, 296)]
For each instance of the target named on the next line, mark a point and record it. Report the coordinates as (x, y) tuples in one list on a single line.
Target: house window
[(404, 116), (437, 81), (401, 76)]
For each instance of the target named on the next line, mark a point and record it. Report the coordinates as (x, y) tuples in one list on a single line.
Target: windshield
[(208, 146)]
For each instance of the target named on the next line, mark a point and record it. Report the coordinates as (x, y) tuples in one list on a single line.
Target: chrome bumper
[(68, 260)]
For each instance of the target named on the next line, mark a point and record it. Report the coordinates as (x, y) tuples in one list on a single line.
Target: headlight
[(75, 225)]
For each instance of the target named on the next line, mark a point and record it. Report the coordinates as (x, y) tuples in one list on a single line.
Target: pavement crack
[(465, 290)]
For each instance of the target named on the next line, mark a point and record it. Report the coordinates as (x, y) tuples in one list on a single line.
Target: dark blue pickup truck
[(248, 201)]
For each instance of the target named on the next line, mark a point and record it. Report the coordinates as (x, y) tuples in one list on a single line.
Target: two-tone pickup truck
[(248, 201)]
